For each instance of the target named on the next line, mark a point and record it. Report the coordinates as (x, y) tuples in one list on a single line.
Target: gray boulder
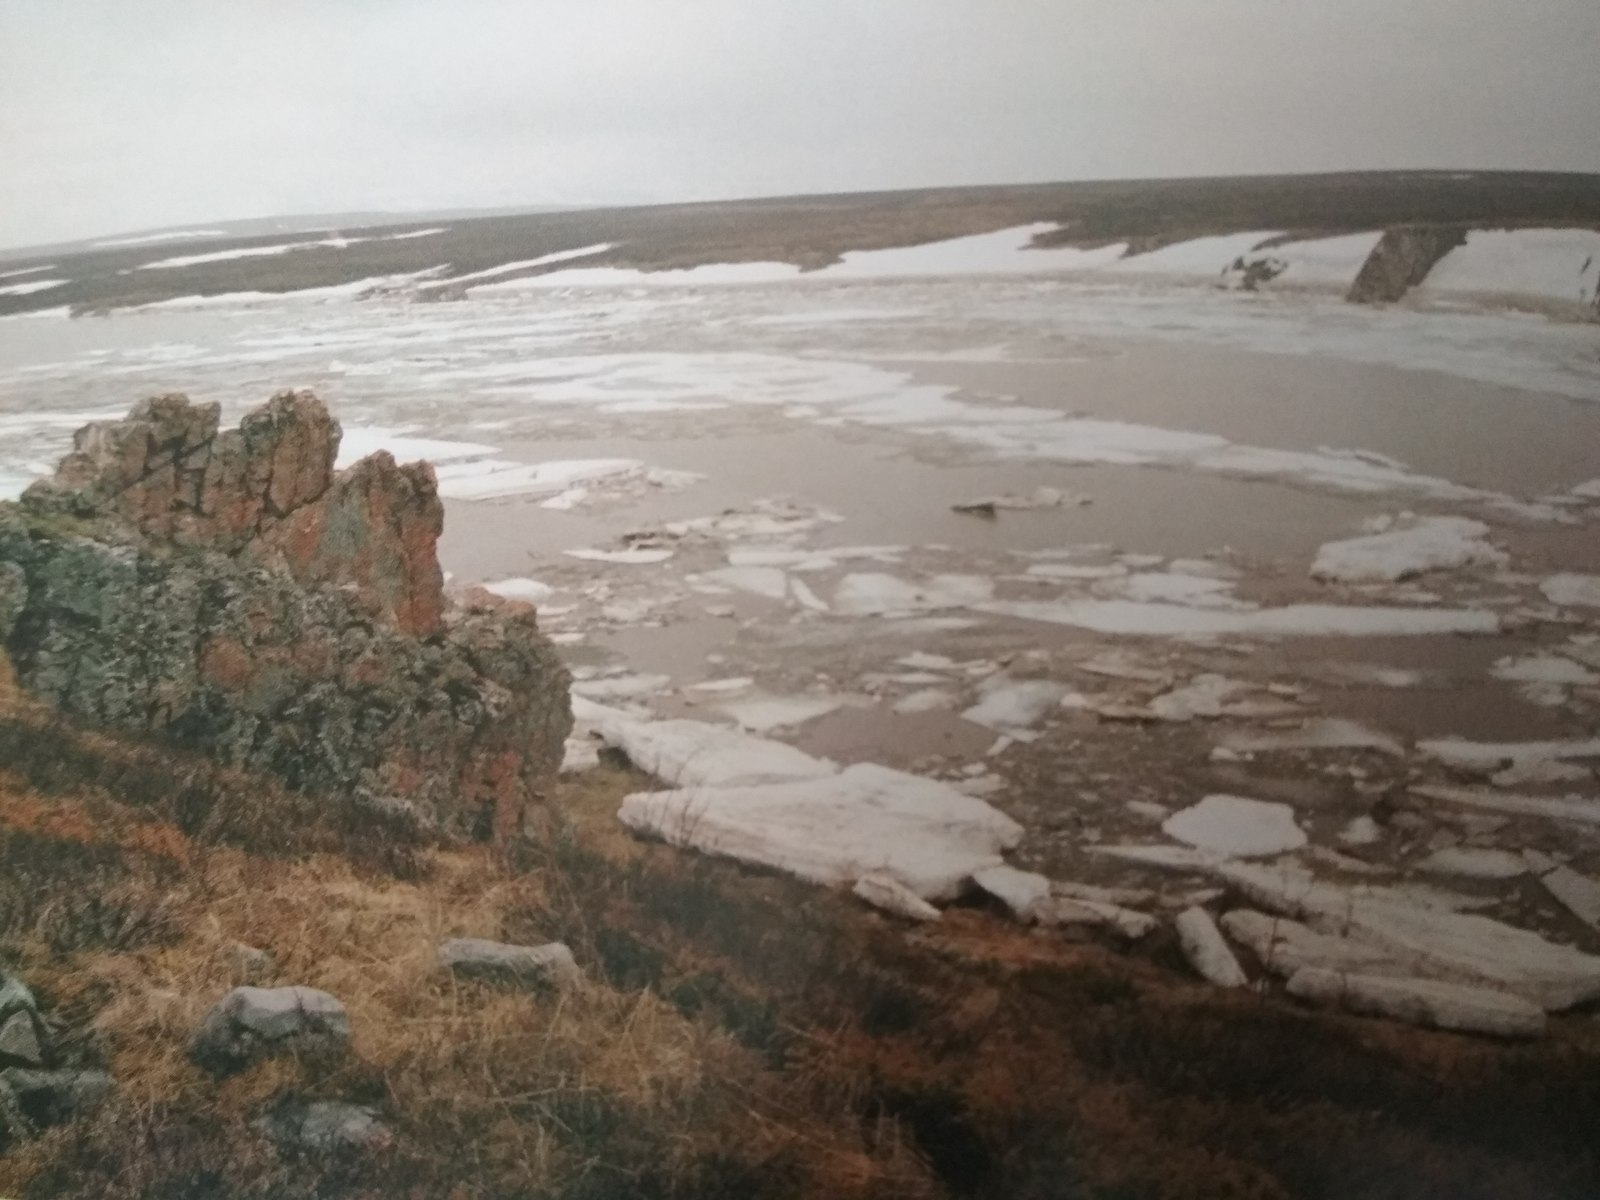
[(249, 1024), (20, 1041), (55, 1097), (325, 1126), (478, 958)]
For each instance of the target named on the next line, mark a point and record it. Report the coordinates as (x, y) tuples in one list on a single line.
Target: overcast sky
[(118, 115)]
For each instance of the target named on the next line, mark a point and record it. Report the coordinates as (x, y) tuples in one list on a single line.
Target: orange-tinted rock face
[(266, 491), (377, 527), (239, 596)]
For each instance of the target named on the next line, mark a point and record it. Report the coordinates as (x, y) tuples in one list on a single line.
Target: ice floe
[(874, 593), (1578, 894), (1320, 733), (1133, 618), (1572, 590), (1486, 756), (1235, 826), (761, 714), (1473, 863), (769, 582), (1422, 545), (1574, 810), (1014, 706)]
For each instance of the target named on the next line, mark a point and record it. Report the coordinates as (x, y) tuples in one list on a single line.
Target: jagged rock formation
[(233, 593), (1401, 260), (266, 491)]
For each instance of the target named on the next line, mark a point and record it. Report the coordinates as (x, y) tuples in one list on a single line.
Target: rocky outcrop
[(1401, 260), (232, 593), (264, 492)]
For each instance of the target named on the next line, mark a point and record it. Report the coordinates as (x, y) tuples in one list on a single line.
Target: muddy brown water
[(897, 488), (1505, 439)]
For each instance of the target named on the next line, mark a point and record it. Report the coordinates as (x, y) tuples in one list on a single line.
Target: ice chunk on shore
[(1237, 827), (1020, 891), (1428, 544), (1431, 1003), (521, 588), (865, 820), (1203, 945), (694, 754), (1469, 945), (892, 896)]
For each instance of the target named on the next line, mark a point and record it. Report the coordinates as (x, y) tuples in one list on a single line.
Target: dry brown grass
[(741, 1034), (490, 1092)]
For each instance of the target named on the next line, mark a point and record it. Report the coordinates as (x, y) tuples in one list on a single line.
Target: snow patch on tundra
[(1548, 264)]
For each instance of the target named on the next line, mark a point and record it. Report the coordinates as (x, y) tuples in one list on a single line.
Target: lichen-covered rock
[(277, 617), (20, 1041), (249, 1024), (479, 958), (1401, 260), (325, 1126), (265, 491), (54, 1097)]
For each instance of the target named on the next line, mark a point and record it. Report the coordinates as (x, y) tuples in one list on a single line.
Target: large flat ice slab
[(866, 820)]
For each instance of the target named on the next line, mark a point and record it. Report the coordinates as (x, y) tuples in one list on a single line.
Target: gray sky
[(127, 114)]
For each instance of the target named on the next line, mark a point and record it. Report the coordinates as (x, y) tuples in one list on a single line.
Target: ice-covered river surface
[(1273, 546)]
